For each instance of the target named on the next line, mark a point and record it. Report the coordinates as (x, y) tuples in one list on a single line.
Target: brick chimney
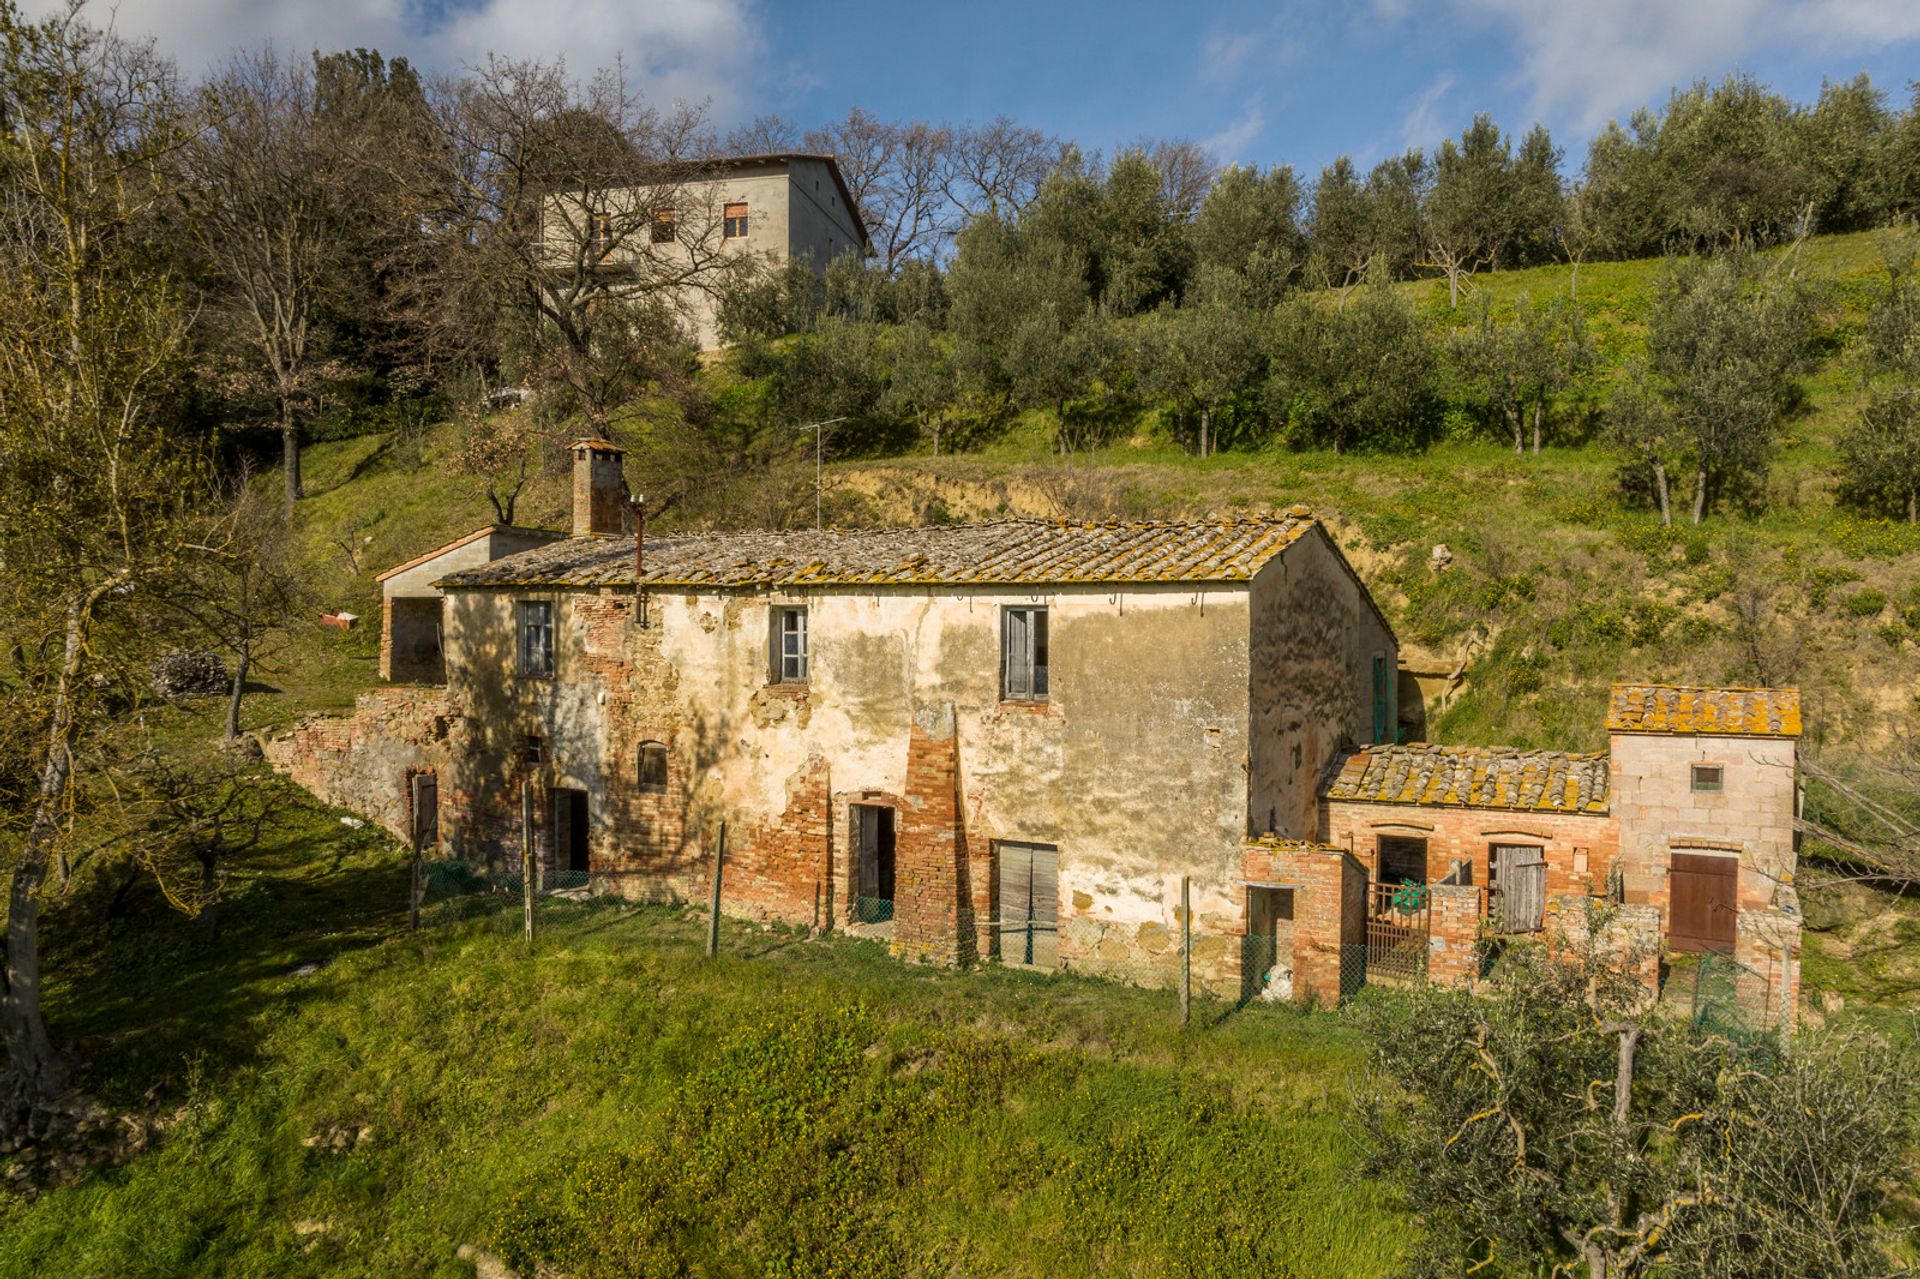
[(599, 491)]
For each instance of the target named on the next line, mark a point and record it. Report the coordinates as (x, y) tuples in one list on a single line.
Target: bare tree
[(497, 449), (999, 167), (190, 820), (245, 589), (582, 215), (1186, 173), (260, 200), (764, 135), (894, 173)]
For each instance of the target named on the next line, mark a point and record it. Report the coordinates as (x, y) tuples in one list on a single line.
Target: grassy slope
[(824, 1109)]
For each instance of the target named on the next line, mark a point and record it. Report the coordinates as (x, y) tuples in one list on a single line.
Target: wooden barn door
[(1520, 875), (1704, 909)]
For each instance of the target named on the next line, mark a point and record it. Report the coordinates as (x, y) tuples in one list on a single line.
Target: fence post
[(1186, 951), (413, 894), (526, 855), (713, 905)]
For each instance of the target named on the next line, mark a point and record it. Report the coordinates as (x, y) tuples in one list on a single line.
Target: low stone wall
[(1767, 943), (364, 761)]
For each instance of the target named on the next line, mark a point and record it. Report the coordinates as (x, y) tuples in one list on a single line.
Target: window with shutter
[(1023, 655), (736, 222), (788, 643), (536, 637)]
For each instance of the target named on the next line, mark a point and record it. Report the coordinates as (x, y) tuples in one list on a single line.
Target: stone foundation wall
[(365, 761)]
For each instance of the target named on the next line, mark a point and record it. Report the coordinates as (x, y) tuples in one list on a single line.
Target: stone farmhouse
[(1014, 739), (775, 209)]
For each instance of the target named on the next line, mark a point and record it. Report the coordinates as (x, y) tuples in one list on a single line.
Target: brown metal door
[(1704, 906)]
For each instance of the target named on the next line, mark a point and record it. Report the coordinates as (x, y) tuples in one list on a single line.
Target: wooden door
[(426, 813), (1030, 905), (1704, 908), (1520, 873)]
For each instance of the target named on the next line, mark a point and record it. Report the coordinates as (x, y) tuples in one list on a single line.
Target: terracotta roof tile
[(1729, 712), (1473, 777), (1001, 552)]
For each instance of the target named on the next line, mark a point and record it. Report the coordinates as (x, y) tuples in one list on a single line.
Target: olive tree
[(1555, 1124)]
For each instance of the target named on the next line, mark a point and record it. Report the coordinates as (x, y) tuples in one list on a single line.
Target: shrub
[(1868, 602)]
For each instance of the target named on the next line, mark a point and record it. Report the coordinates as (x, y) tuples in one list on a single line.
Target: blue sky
[(1260, 82)]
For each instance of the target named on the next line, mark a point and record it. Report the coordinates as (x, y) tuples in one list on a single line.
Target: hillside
[(1557, 585)]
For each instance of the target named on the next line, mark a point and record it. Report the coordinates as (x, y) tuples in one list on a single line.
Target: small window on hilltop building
[(736, 222), (1023, 655), (653, 768), (599, 236), (663, 229), (789, 644), (533, 749), (1709, 779), (535, 619)]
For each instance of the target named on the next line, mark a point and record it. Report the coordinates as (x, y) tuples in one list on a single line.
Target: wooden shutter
[(426, 812), (869, 836), (1521, 872), (1017, 649), (1045, 908), (1016, 885)]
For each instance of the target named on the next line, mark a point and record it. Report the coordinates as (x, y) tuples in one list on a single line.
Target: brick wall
[(1629, 936), (1579, 847), (1453, 935), (1323, 922), (933, 893)]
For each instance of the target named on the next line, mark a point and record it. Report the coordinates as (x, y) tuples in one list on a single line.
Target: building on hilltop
[(1015, 739), (704, 223)]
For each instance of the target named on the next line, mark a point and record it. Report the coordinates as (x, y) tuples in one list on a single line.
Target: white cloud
[(1231, 143), (1227, 55), (1583, 63), (1422, 126), (686, 50)]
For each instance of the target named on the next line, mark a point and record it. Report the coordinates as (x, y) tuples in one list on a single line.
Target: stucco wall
[(818, 221), (1659, 811), (1134, 767), (1312, 646)]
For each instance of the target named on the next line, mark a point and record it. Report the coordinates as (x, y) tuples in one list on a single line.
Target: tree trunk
[(1517, 419), (290, 453), (1206, 432), (233, 699), (35, 1074), (1453, 288), (1700, 496), (1913, 506), (1537, 414), (1660, 491)]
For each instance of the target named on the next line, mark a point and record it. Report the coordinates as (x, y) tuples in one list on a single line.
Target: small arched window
[(653, 768)]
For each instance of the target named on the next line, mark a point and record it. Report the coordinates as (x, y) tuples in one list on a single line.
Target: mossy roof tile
[(1473, 777)]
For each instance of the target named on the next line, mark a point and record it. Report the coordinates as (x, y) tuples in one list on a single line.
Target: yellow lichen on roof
[(1023, 552), (1728, 712), (1473, 777)]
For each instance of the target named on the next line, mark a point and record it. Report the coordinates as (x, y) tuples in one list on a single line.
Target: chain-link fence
[(1720, 995)]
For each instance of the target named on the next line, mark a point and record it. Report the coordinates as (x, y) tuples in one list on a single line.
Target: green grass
[(797, 1106)]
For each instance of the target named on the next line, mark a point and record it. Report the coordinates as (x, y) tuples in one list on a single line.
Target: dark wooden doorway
[(570, 828), (873, 836), (1402, 859), (1705, 908)]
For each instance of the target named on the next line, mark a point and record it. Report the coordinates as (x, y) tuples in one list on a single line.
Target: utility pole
[(819, 429)]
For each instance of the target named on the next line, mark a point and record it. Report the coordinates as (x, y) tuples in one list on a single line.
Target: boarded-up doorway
[(570, 829), (873, 838), (1518, 887), (1029, 932), (1704, 911)]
